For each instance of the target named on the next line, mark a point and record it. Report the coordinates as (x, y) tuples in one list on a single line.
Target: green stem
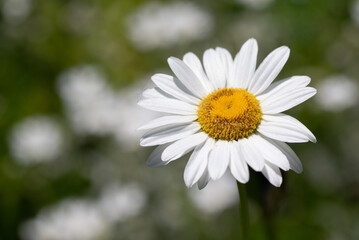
[(243, 211)]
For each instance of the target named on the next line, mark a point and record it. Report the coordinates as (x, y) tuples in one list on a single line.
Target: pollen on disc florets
[(229, 114)]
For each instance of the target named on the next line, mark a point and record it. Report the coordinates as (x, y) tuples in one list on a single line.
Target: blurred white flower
[(354, 11), (255, 4), (217, 196), (82, 85), (71, 219), (337, 93), (95, 109), (15, 11), (81, 219), (118, 203), (90, 103), (157, 25), (36, 139)]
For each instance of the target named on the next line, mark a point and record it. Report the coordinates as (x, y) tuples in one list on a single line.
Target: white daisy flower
[(230, 113)]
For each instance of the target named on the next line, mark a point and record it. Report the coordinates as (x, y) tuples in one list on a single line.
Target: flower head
[(36, 139), (230, 113)]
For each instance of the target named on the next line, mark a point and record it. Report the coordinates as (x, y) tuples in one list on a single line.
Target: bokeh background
[(71, 72)]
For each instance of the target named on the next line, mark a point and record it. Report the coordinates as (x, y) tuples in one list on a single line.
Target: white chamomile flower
[(230, 113)]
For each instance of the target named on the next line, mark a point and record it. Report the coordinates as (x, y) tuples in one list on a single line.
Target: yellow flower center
[(229, 114)]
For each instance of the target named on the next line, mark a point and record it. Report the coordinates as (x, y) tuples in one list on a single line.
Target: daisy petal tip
[(242, 181), (155, 162), (172, 60), (189, 55), (156, 77), (285, 49), (311, 91), (213, 176), (152, 165), (259, 166), (277, 184), (307, 78), (165, 156), (286, 168), (142, 143), (140, 103), (251, 41), (314, 91), (189, 184), (215, 171), (200, 187)]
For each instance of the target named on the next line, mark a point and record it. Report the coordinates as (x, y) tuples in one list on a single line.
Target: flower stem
[(243, 211)]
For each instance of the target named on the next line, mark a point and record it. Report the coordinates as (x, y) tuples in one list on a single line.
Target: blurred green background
[(71, 72)]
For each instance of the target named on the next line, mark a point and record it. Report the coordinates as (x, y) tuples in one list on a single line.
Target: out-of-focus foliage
[(71, 73)]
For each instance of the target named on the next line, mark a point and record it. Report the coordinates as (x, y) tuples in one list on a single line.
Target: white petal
[(227, 61), (154, 160), (244, 65), (215, 69), (285, 128), (293, 159), (174, 87), (251, 154), (218, 159), (187, 77), (183, 146), (203, 181), (273, 174), (197, 163), (170, 134), (154, 93), (238, 165), (168, 120), (286, 101), (269, 70), (168, 105), (271, 153), (283, 86), (195, 64)]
